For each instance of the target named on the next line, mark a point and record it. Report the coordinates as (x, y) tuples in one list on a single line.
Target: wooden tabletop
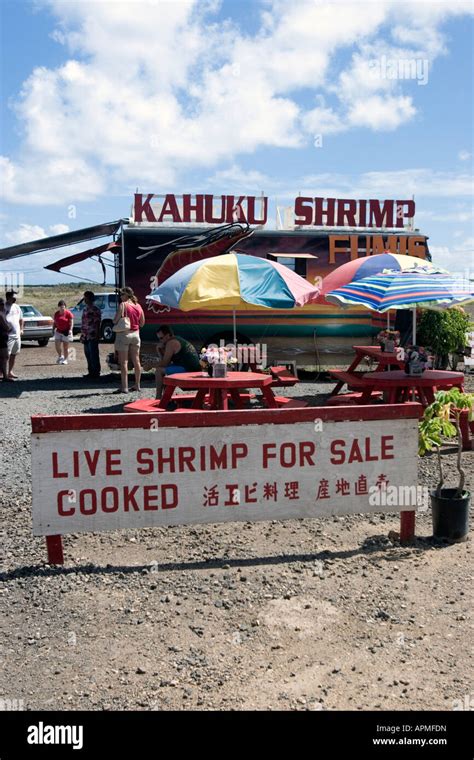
[(196, 380), (375, 352), (433, 377)]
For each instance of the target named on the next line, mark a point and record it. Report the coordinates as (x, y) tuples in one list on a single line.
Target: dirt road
[(306, 614)]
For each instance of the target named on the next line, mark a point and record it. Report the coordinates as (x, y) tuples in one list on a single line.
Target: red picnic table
[(384, 360), (400, 386), (217, 390)]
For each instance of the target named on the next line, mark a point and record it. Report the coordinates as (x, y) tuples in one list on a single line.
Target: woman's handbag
[(123, 325)]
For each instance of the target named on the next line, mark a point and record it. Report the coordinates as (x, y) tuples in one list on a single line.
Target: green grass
[(46, 297)]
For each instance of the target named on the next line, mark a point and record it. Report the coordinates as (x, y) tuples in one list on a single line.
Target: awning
[(56, 266), (57, 241)]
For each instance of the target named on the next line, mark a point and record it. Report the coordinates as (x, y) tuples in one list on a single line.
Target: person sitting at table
[(177, 355)]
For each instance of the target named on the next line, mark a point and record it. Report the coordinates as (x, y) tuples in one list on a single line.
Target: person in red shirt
[(63, 322), (127, 340)]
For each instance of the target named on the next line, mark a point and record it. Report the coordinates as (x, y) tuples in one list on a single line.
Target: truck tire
[(43, 342), (106, 331)]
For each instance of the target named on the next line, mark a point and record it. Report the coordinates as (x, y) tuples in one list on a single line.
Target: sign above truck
[(208, 209)]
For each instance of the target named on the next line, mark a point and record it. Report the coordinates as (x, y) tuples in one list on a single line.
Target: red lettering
[(307, 449), (328, 212), (186, 455), (235, 212), (92, 508), (115, 499), (56, 473), (355, 453), (387, 447), (303, 212), (268, 452), (61, 511), (209, 210), (150, 495), (339, 456), (409, 214), (148, 463), (238, 451), (141, 208), (92, 460), (111, 462), (189, 207), (251, 218), (291, 460), (172, 501), (162, 460), (218, 461), (170, 208), (368, 457), (350, 213), (129, 498), (380, 217)]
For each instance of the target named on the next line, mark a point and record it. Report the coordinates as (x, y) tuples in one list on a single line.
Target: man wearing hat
[(14, 318)]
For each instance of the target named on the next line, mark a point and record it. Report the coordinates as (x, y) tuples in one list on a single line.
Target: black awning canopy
[(57, 241)]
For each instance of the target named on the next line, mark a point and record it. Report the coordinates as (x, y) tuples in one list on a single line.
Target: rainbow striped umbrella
[(367, 266), (234, 281), (404, 290)]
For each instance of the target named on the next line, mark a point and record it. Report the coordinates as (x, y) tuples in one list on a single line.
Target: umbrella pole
[(234, 324), (414, 326)]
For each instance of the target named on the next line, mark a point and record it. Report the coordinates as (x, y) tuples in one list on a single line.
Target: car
[(36, 326), (107, 303)]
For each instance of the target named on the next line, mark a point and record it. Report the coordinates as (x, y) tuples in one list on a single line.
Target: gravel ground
[(305, 614)]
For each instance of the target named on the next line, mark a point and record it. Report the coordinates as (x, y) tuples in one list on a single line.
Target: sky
[(102, 98)]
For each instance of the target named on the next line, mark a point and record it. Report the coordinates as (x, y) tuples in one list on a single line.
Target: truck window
[(296, 265)]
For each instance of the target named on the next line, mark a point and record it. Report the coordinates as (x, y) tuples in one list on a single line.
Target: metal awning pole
[(234, 324), (414, 326)]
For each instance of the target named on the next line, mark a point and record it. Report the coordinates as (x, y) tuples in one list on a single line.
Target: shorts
[(64, 338), (174, 369), (14, 345), (123, 340)]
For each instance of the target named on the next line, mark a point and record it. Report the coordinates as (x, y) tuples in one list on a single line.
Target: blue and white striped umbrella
[(404, 290)]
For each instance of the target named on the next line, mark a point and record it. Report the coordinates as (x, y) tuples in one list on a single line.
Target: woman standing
[(4, 329), (63, 322), (128, 320)]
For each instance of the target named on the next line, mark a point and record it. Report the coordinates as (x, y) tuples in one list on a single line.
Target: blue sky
[(227, 97)]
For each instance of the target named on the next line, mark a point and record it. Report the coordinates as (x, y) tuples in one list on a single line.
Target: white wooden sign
[(98, 480)]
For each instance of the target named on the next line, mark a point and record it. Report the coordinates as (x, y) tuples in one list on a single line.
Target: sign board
[(94, 473), (208, 209)]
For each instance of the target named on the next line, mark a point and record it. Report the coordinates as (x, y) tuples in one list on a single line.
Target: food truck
[(312, 236), (167, 232)]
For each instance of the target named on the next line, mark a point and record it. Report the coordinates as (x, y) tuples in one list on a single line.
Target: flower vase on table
[(388, 340)]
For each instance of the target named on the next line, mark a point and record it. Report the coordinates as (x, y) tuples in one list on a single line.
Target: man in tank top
[(177, 355)]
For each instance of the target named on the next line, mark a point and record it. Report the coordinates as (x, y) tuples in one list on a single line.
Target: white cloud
[(422, 183), (154, 89), (28, 232), (58, 229), (464, 155), (25, 233)]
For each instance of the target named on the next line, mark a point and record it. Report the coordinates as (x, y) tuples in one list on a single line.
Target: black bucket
[(450, 514)]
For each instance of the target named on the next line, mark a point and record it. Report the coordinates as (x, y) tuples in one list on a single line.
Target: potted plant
[(441, 420)]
